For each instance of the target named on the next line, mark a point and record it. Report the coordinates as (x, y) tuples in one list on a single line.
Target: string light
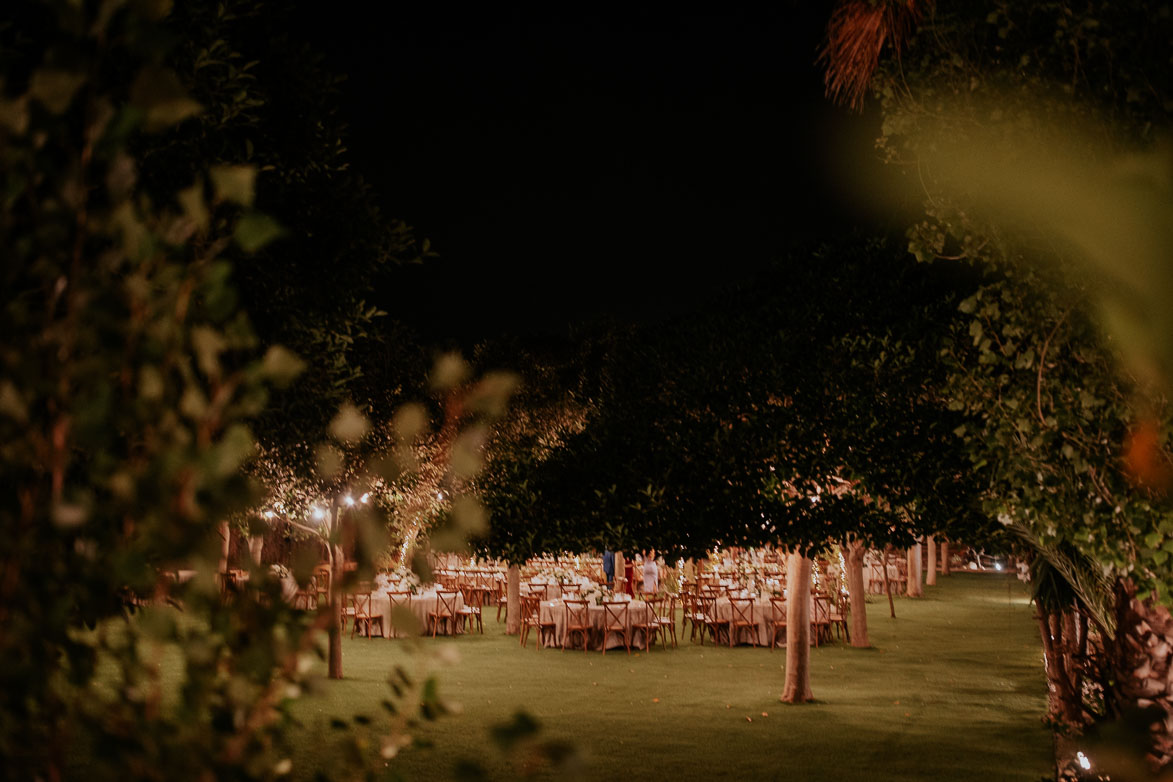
[(365, 498), (348, 500), (269, 514), (1084, 763), (319, 514)]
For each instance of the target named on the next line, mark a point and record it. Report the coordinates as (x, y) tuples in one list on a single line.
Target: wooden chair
[(502, 599), (713, 623), (445, 611), (321, 584), (401, 605), (363, 617), (820, 618), (531, 618), (838, 617), (473, 600), (742, 617), (578, 620), (668, 623), (615, 620), (694, 615), (650, 623), (778, 620)]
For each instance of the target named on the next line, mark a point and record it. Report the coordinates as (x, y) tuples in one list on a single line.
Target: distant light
[(1084, 763), (365, 498), (348, 499), (319, 514), (269, 514), (997, 566), (440, 495)]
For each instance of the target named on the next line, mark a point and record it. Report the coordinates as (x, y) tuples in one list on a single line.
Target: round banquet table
[(555, 611), (420, 605), (763, 613)]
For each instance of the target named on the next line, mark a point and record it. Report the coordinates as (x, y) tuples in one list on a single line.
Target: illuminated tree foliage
[(1030, 127)]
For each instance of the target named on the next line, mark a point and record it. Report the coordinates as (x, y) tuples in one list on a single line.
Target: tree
[(127, 384), (1062, 339)]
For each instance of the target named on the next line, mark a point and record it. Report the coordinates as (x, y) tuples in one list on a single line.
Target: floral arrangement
[(563, 576), (594, 595), (280, 572), (407, 579)]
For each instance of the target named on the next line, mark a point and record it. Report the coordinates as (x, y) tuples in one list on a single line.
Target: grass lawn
[(953, 689)]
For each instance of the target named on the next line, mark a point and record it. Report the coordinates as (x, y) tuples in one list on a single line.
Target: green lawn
[(953, 690)]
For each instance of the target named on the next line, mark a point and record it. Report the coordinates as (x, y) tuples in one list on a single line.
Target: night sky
[(569, 162)]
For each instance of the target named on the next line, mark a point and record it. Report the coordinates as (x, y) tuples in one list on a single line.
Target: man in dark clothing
[(609, 566)]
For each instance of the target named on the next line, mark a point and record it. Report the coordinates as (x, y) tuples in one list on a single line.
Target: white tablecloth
[(420, 606), (555, 611)]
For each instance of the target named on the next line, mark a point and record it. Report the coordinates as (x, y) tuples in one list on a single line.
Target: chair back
[(472, 596), (615, 615), (742, 610), (362, 605), (820, 609), (707, 605), (778, 604), (530, 607), (578, 613), (654, 606), (446, 603)]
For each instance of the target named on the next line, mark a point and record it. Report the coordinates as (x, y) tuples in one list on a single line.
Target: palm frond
[(1061, 575), (856, 35)]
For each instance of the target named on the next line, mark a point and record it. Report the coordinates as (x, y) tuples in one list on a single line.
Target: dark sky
[(571, 161)]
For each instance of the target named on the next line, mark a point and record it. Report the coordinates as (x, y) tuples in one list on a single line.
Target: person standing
[(628, 576), (651, 574), (609, 567)]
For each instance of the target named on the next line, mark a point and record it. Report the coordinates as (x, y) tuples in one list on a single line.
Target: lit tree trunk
[(853, 554), (944, 556), (513, 600), (914, 588), (335, 660), (256, 547), (887, 582), (798, 630), (225, 545), (931, 574)]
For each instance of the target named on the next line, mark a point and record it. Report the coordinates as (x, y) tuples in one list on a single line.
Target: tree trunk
[(225, 546), (914, 588), (513, 600), (256, 547), (335, 660), (853, 554), (798, 631), (945, 557), (931, 574), (1142, 669), (618, 572)]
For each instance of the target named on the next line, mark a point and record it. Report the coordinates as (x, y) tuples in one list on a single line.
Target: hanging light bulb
[(318, 514), (365, 498), (348, 500)]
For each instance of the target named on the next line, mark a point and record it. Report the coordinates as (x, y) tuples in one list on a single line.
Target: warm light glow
[(365, 498), (319, 514), (269, 514), (997, 566), (348, 500), (1084, 763)]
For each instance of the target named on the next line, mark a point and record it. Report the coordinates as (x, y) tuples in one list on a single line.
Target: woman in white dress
[(651, 574)]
